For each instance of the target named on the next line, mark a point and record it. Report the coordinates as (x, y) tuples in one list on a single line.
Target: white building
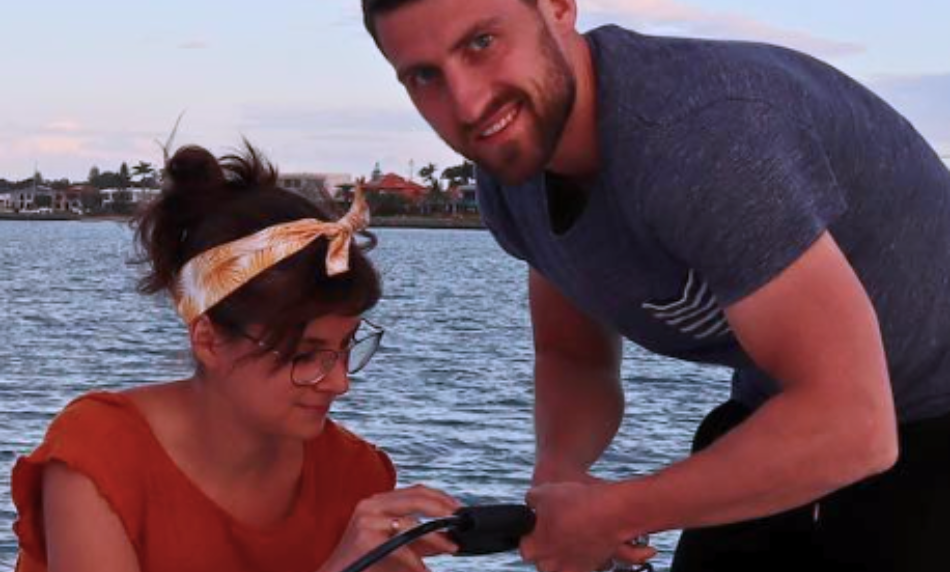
[(130, 195), (32, 199)]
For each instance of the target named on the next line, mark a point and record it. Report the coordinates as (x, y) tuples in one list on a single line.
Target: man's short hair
[(373, 8)]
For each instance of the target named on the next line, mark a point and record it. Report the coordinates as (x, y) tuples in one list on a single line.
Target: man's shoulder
[(656, 80)]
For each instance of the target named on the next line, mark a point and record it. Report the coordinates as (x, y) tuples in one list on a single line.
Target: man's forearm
[(787, 454), (577, 414)]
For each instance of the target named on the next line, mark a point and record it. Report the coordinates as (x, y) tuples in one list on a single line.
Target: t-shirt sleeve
[(362, 468), (497, 216), (739, 191), (381, 473), (92, 437)]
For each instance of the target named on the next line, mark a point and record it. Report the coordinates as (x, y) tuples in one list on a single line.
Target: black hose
[(476, 530), (398, 541)]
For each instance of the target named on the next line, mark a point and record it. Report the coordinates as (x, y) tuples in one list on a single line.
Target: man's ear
[(561, 15), (205, 341)]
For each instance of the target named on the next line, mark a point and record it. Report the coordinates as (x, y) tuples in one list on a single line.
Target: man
[(719, 202)]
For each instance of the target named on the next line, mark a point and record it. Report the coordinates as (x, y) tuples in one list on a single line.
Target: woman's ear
[(205, 341)]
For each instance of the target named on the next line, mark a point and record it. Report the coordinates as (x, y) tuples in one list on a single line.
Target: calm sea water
[(449, 394)]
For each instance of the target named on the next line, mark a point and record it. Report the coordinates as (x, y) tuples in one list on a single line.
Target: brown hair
[(207, 202)]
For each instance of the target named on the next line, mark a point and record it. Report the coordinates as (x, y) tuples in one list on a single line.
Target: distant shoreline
[(421, 222), (468, 222), (39, 216)]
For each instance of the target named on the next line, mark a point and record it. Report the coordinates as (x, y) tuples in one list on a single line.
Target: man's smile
[(500, 121)]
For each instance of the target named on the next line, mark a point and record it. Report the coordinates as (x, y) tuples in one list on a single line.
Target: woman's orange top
[(172, 525)]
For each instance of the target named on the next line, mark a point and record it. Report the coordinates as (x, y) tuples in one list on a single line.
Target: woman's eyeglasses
[(309, 368)]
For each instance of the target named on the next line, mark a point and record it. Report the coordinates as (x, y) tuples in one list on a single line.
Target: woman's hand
[(380, 517)]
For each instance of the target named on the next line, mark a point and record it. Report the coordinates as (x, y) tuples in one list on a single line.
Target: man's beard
[(514, 162)]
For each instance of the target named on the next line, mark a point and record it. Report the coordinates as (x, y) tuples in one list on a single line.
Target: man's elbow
[(884, 451), (861, 440), (875, 445)]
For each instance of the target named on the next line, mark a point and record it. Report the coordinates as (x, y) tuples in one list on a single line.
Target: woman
[(237, 467)]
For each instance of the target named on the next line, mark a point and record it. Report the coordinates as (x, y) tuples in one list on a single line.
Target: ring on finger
[(642, 540), (395, 526)]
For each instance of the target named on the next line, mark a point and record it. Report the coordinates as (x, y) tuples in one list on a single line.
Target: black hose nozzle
[(491, 528), (475, 529)]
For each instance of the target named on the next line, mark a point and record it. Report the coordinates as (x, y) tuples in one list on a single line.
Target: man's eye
[(423, 77), (482, 41)]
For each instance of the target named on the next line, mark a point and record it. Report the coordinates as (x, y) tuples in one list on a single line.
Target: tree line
[(142, 175), (437, 199)]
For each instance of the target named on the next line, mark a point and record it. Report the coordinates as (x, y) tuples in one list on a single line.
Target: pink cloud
[(51, 145), (64, 125), (71, 155), (702, 22)]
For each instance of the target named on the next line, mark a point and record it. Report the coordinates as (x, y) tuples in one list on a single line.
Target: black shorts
[(898, 521)]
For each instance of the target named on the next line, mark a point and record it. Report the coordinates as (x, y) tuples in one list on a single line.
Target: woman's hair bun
[(193, 167)]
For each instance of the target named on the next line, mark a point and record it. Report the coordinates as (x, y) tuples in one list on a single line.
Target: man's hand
[(577, 529)]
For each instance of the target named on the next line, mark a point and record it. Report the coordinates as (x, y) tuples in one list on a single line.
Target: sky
[(88, 83)]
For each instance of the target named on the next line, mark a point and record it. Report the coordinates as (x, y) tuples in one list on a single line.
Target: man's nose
[(471, 94)]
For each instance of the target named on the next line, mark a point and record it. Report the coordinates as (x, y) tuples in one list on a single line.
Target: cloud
[(53, 145), (318, 118), (318, 138), (670, 16), (923, 99), (678, 18), (65, 149), (64, 126), (32, 147), (194, 45)]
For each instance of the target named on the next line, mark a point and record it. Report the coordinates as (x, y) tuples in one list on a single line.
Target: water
[(448, 396)]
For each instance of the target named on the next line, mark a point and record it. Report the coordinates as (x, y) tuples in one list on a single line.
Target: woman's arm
[(83, 534)]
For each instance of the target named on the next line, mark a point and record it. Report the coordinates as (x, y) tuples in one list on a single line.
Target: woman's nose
[(337, 380)]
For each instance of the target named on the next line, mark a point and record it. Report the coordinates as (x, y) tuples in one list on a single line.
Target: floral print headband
[(217, 272)]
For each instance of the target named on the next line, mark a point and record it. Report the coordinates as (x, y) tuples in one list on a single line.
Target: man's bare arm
[(579, 401)]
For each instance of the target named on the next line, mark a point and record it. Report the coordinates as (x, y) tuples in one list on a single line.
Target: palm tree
[(124, 177), (434, 198), (143, 171), (459, 174), (428, 174)]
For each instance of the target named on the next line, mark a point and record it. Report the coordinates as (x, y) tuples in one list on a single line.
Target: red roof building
[(392, 183)]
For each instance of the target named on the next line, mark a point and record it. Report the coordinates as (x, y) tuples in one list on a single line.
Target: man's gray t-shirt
[(721, 163)]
